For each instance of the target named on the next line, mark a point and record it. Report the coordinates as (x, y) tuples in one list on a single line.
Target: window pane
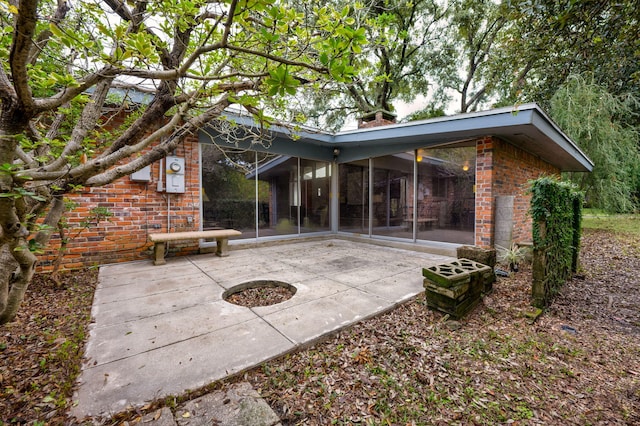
[(391, 177), (446, 198), (354, 197), (282, 199), (314, 209), (228, 191)]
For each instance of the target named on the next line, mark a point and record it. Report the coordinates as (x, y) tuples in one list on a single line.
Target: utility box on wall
[(142, 175), (174, 173)]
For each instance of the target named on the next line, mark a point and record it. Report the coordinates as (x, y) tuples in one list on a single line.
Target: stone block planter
[(447, 274), (456, 287), (478, 271), (477, 254)]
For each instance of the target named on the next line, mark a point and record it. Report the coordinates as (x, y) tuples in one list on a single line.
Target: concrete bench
[(221, 236)]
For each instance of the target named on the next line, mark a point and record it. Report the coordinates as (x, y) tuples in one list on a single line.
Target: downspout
[(370, 197), (299, 195), (388, 199), (168, 212), (475, 198), (257, 203), (160, 188), (334, 197), (414, 222)]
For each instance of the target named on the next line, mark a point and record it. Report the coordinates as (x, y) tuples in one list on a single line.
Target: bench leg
[(158, 254), (222, 247)]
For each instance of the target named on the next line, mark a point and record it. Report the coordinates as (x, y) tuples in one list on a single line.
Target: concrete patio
[(161, 330)]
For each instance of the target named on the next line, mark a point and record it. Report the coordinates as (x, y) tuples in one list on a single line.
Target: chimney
[(376, 119)]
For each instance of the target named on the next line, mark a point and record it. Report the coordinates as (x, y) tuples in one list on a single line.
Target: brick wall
[(504, 169), (137, 209)]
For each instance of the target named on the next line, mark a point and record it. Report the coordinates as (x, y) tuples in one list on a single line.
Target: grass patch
[(619, 223)]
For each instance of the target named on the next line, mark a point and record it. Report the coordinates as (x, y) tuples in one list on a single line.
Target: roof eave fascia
[(316, 135), (483, 123), (436, 131), (547, 126)]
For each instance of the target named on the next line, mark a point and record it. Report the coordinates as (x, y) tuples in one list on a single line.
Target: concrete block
[(482, 274), (446, 275), (240, 405), (478, 254), (454, 292), (455, 308)]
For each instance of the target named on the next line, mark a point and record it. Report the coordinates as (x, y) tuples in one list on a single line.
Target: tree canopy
[(393, 65), (594, 117), (63, 62), (463, 54), (195, 59), (467, 55), (547, 41)]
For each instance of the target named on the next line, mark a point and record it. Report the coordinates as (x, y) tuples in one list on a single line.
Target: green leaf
[(48, 399), (55, 30), (281, 82)]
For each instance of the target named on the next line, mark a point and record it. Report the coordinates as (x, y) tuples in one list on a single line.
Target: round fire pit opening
[(259, 293)]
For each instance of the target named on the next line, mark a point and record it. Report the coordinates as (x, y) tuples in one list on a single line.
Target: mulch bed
[(260, 296), (41, 351)]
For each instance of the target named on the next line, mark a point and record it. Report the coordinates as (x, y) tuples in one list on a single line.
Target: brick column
[(484, 192)]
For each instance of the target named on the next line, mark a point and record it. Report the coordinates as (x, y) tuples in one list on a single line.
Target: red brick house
[(437, 184)]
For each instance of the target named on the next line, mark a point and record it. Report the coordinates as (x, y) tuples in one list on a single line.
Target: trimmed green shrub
[(556, 209), (578, 200)]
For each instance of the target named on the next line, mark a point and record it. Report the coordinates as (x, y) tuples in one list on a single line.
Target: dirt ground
[(579, 363)]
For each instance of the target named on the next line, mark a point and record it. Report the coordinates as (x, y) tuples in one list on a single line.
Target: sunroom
[(431, 181)]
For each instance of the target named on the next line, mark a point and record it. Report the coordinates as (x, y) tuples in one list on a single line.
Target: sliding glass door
[(264, 195), (428, 194), (354, 197)]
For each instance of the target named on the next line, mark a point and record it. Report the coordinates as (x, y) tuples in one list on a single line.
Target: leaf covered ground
[(41, 351), (579, 363)]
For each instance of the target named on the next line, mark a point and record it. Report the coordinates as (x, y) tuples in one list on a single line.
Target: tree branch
[(43, 38), (87, 121), (7, 92), (278, 59), (18, 57), (52, 219), (68, 93), (161, 150)]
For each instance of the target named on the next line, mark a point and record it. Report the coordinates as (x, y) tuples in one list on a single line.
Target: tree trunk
[(8, 265), (15, 282), (18, 263)]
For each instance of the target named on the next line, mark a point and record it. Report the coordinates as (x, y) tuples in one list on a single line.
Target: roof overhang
[(526, 127)]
